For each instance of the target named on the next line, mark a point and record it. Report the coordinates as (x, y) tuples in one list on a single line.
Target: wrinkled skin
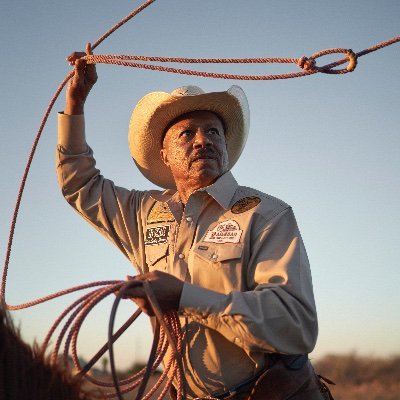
[(194, 149)]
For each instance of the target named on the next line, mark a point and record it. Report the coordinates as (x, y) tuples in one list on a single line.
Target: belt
[(241, 388), (292, 362)]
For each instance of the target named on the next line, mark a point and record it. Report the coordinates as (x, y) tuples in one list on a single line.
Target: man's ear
[(164, 156)]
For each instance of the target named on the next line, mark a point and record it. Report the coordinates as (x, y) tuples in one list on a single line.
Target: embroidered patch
[(225, 232), (245, 204), (203, 247), (160, 213), (156, 235)]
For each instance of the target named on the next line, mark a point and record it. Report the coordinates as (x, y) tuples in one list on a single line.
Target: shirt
[(248, 288)]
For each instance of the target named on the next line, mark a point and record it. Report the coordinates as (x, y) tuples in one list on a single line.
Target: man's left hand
[(167, 290)]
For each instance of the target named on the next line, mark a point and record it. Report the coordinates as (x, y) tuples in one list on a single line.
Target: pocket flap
[(220, 252)]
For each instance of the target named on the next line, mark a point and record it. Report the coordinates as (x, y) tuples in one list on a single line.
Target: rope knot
[(351, 66), (308, 64)]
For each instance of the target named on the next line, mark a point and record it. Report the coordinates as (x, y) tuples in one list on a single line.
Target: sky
[(326, 144)]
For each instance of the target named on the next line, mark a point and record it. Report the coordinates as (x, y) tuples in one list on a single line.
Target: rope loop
[(308, 64)]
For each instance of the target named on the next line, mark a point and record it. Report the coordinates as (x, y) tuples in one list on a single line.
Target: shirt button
[(237, 341), (214, 257), (189, 219), (181, 256)]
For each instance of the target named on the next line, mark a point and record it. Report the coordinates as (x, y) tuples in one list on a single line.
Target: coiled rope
[(167, 332)]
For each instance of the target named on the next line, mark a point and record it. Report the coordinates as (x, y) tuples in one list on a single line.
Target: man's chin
[(205, 175)]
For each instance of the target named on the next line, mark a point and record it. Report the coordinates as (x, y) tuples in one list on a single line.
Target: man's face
[(194, 148)]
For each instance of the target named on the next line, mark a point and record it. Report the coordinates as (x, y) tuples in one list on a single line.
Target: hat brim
[(156, 110)]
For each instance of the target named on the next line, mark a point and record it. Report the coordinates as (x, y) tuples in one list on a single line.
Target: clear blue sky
[(327, 145)]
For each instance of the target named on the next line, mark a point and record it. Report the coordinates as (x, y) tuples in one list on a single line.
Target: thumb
[(89, 49)]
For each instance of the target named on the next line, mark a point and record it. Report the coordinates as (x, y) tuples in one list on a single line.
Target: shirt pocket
[(218, 256), (157, 256), (218, 267)]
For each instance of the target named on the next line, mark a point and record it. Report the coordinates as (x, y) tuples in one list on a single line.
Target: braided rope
[(170, 333), (24, 178), (84, 304), (307, 65), (170, 336)]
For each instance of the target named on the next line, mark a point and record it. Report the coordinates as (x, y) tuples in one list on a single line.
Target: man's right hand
[(84, 78)]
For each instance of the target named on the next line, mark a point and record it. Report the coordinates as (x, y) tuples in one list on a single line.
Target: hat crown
[(190, 90)]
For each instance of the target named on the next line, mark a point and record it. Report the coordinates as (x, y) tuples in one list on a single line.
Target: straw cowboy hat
[(157, 110)]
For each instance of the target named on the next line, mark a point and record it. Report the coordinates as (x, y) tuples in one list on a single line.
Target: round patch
[(245, 204)]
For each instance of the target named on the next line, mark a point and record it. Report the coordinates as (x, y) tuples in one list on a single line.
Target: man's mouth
[(201, 157)]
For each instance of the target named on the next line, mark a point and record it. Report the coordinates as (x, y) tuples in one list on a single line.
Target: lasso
[(167, 330)]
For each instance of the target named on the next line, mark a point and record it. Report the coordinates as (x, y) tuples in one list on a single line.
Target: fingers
[(134, 290), (91, 74), (79, 75), (76, 55), (148, 276)]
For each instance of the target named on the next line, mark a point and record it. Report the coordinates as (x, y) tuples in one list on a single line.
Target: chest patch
[(156, 235), (225, 232), (245, 204), (160, 213)]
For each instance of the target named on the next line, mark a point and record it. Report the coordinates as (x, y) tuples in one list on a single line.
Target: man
[(229, 259)]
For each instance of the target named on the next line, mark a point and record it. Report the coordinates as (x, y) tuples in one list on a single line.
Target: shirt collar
[(222, 191)]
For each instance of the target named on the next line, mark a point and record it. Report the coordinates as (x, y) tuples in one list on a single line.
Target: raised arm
[(95, 198)]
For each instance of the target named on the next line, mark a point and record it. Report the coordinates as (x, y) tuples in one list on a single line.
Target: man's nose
[(202, 139)]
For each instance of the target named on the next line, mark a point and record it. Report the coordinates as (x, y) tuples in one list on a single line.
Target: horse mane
[(25, 373)]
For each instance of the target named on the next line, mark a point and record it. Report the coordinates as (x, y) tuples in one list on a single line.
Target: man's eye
[(213, 131), (186, 133)]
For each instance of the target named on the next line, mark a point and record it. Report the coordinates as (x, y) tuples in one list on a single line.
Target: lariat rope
[(307, 64), (167, 332)]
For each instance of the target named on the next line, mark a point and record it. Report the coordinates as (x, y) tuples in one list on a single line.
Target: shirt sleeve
[(279, 314), (104, 205)]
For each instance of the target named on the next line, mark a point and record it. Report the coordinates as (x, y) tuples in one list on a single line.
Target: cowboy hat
[(155, 111)]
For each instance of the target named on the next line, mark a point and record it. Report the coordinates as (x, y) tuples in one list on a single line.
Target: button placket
[(186, 232)]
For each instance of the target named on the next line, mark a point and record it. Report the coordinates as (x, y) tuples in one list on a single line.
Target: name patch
[(160, 213), (245, 204), (156, 235), (225, 232)]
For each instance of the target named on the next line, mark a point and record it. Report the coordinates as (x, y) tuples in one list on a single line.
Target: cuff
[(71, 133)]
